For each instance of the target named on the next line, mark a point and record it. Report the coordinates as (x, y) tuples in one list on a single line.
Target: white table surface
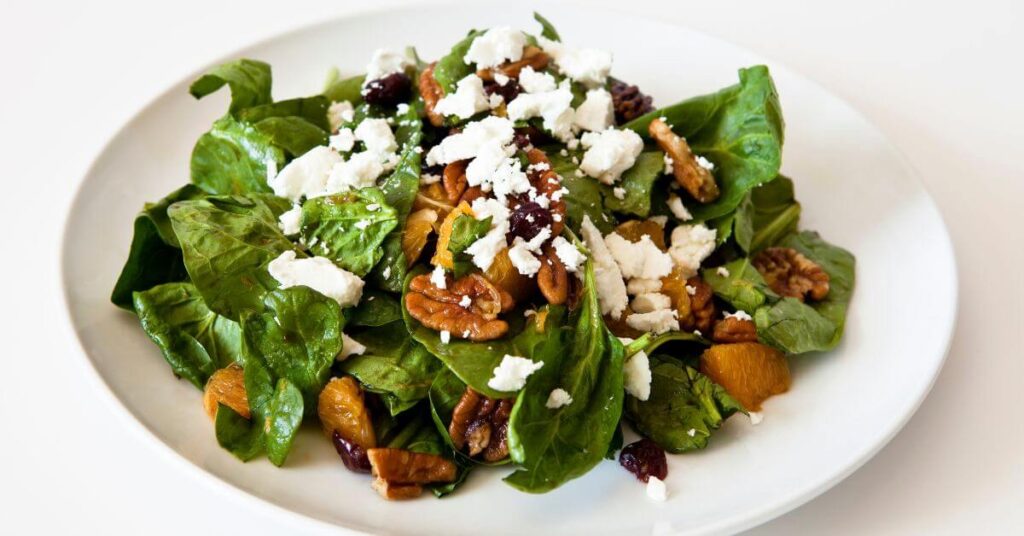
[(942, 79)]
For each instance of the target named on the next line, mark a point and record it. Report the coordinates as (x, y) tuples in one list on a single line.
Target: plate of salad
[(499, 272)]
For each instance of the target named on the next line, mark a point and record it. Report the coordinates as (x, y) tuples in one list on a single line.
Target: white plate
[(843, 407)]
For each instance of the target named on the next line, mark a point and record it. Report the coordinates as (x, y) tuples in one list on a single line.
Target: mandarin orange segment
[(504, 275), (633, 230), (226, 386), (674, 286), (749, 371), (417, 230), (341, 409), (443, 257), (433, 196)]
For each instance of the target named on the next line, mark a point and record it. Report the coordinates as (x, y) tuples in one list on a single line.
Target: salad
[(506, 256)]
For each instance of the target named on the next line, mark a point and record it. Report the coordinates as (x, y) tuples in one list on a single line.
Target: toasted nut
[(441, 309), (454, 180), (699, 182), (396, 492), (471, 193), (732, 329), (552, 278), (791, 274), (226, 386), (481, 424), (547, 182), (342, 409), (532, 56), (431, 92), (399, 473), (693, 300)]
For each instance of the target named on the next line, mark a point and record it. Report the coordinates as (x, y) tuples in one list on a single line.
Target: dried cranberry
[(629, 102), (389, 90), (508, 91), (436, 169), (644, 459), (528, 219), (352, 455), (522, 139)]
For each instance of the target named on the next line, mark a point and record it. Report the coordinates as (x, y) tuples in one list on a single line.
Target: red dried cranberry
[(508, 91), (352, 455), (644, 459), (389, 90), (629, 102), (522, 139), (528, 219)]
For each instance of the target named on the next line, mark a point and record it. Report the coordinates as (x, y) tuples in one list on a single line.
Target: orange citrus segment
[(418, 227), (443, 257), (750, 371)]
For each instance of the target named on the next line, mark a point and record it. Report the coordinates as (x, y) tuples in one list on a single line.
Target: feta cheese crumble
[(343, 141), (656, 489), (359, 171), (290, 221), (559, 397), (467, 100), (339, 113), (496, 46), (349, 347), (691, 244), (438, 279), (376, 135), (467, 144), (554, 107), (570, 256), (619, 192), (637, 375), (738, 315), (704, 163), (650, 302), (755, 417), (511, 374), (611, 290), (319, 274), (536, 82), (610, 153), (465, 302), (675, 204), (597, 112), (525, 262), (656, 322), (306, 176), (384, 62), (723, 271), (446, 336), (637, 286), (488, 246), (588, 66), (640, 259)]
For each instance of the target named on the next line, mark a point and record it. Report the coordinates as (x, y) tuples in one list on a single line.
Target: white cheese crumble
[(668, 164), (656, 489), (429, 178), (610, 153), (597, 111), (755, 417), (384, 62), (362, 224), (559, 397), (640, 259), (637, 375), (691, 432), (570, 256), (675, 204), (465, 302), (656, 322), (554, 107), (446, 336), (691, 290), (588, 66), (611, 290), (319, 274), (359, 171), (738, 315), (376, 135), (343, 141), (619, 192), (306, 175), (500, 78), (488, 246), (650, 302), (511, 374), (637, 286), (525, 262), (339, 113), (349, 347), (496, 46), (437, 278), (723, 271), (467, 100), (489, 131), (290, 221), (691, 244), (660, 220), (704, 163), (536, 82)]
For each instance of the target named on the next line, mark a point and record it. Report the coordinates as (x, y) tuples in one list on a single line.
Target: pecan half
[(480, 424), (431, 92), (552, 278), (791, 274), (399, 474), (226, 386), (532, 56), (699, 182), (732, 329), (547, 182), (442, 309), (702, 307), (454, 180)]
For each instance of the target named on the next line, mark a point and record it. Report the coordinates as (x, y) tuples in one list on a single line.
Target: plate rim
[(735, 523)]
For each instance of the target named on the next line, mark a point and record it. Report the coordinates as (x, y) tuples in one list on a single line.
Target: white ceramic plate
[(843, 407)]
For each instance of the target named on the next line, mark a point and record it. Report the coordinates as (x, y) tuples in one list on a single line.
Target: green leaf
[(312, 109), (394, 365), (684, 408), (293, 134), (232, 158), (585, 196), (553, 446), (227, 243), (154, 256), (739, 129), (465, 231), (249, 81), (451, 68), (743, 288), (769, 214), (638, 183), (343, 228), (547, 29), (194, 340), (281, 421), (375, 309), (237, 434), (346, 89)]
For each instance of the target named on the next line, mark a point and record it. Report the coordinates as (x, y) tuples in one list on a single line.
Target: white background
[(943, 80)]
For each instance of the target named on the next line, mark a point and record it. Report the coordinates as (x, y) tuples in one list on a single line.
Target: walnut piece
[(532, 56), (699, 182), (731, 329), (442, 309), (226, 386), (431, 92), (399, 474), (481, 424), (702, 307), (789, 273), (552, 278)]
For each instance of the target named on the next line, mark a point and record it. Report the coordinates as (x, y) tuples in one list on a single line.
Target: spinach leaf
[(743, 288), (444, 394), (154, 256), (684, 408), (553, 446), (451, 68), (194, 340), (585, 196), (394, 365), (348, 228), (312, 109), (276, 420), (769, 214), (375, 309), (465, 230), (238, 435), (739, 129), (227, 243), (346, 89), (232, 158), (547, 29), (294, 135), (638, 182), (249, 81), (281, 420)]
